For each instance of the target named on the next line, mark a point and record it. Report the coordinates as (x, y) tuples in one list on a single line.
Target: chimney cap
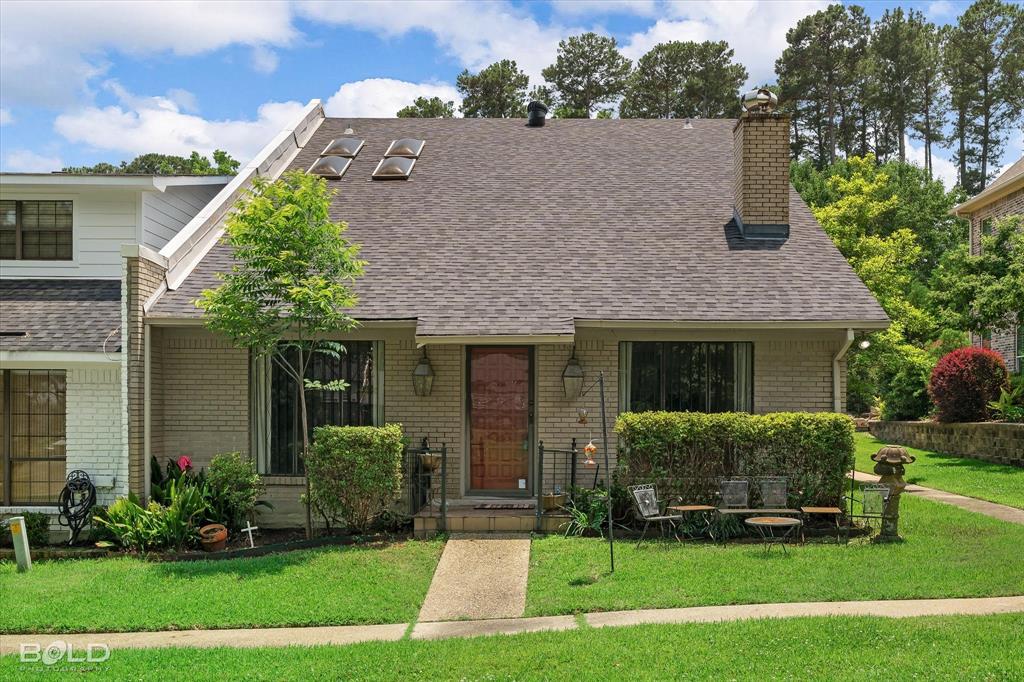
[(761, 100)]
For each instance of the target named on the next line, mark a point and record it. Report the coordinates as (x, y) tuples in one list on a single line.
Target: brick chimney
[(760, 143)]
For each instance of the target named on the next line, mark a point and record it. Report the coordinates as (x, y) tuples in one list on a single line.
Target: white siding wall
[(165, 213), (103, 220), (94, 433)]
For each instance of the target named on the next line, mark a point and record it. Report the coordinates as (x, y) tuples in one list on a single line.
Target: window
[(35, 230), (351, 407), (986, 227), (1020, 349), (688, 376), (986, 338), (32, 432)]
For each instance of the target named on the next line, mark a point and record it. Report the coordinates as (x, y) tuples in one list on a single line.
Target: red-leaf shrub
[(964, 381)]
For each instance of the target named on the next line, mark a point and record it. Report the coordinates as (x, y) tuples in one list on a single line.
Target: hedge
[(686, 453), (355, 472)]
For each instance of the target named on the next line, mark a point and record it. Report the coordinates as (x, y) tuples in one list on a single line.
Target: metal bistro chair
[(651, 509), (874, 499), (735, 496)]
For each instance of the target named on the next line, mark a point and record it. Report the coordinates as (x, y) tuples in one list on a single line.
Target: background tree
[(588, 71), (498, 91), (422, 107), (985, 291), (165, 164), (985, 69), (930, 119), (897, 57), (818, 68), (290, 284), (713, 86)]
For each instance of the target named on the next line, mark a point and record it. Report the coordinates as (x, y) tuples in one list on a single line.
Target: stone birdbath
[(889, 461)]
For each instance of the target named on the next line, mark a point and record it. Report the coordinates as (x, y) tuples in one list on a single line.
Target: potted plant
[(213, 537), (554, 500), (431, 461)]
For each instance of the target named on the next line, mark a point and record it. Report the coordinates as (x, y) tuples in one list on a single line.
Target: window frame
[(626, 370), (262, 400), (19, 229), (7, 457)]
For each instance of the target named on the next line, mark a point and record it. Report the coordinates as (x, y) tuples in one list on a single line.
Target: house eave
[(987, 197)]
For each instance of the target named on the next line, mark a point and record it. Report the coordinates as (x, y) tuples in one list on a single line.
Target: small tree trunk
[(305, 445)]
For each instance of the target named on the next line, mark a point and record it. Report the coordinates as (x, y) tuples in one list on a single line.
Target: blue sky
[(82, 82)]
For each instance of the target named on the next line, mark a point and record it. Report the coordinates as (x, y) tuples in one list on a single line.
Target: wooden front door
[(499, 418)]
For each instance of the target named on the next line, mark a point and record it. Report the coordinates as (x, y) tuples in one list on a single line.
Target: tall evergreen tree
[(984, 64), (498, 91), (588, 71), (929, 121), (897, 57), (818, 68), (712, 88)]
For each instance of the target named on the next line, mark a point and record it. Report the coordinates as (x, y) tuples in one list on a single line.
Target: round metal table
[(774, 530)]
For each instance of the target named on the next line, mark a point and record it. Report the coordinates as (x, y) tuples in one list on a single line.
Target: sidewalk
[(313, 636), (996, 511)]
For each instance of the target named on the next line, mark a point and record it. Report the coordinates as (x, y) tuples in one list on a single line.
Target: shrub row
[(685, 453)]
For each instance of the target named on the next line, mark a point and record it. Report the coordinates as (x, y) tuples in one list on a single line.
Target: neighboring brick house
[(66, 245), (673, 257), (1004, 197)]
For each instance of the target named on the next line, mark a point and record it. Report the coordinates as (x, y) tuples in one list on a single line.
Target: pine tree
[(498, 91), (929, 121), (588, 71), (656, 87), (896, 58), (422, 107)]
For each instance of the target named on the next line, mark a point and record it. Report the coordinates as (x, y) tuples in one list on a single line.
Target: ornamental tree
[(291, 282)]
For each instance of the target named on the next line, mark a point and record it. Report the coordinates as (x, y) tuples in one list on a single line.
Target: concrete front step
[(489, 521)]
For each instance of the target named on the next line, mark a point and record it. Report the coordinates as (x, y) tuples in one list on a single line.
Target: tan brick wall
[(141, 278), (1005, 342), (761, 168), (201, 388)]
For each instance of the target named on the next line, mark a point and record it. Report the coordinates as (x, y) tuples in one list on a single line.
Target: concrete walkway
[(996, 511), (479, 577), (313, 636)]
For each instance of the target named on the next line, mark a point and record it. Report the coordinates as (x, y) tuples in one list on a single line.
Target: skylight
[(407, 147), (346, 147), (330, 166), (394, 168)]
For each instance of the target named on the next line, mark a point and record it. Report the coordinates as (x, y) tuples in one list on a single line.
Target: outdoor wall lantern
[(572, 377), (423, 376)]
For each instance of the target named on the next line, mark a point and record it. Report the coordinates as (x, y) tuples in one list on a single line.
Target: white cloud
[(645, 8), (942, 168), (941, 9), (138, 125), (475, 33), (50, 50), (25, 161), (184, 99), (263, 59), (383, 97), (6, 117), (755, 30)]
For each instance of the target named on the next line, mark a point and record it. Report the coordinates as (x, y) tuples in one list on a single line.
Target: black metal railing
[(426, 470), (560, 472)]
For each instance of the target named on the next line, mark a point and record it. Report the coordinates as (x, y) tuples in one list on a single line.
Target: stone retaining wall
[(992, 442)]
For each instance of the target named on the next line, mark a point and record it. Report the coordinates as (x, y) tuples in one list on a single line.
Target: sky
[(83, 81)]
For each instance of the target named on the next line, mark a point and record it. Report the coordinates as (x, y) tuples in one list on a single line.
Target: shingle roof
[(60, 314), (507, 229)]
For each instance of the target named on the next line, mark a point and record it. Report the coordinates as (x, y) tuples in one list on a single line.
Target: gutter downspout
[(146, 410), (837, 398)]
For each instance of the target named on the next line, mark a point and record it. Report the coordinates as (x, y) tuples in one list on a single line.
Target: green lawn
[(336, 585), (972, 477), (956, 647), (948, 552)]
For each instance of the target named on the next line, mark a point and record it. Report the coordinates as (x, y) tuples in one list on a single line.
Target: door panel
[(499, 418)]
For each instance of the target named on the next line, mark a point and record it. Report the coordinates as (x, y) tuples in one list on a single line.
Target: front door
[(499, 418)]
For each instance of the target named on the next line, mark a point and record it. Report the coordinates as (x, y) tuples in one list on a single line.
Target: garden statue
[(889, 461), (76, 499)]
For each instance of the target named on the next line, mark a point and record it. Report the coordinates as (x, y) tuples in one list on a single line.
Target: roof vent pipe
[(536, 114)]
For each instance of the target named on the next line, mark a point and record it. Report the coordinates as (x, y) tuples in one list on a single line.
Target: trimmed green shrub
[(965, 381), (233, 490), (37, 526), (906, 397), (685, 453), (355, 472)]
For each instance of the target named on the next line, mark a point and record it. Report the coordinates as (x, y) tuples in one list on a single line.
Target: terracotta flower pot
[(213, 537)]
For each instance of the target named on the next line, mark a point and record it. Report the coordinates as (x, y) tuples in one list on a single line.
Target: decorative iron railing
[(426, 470), (560, 472)]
